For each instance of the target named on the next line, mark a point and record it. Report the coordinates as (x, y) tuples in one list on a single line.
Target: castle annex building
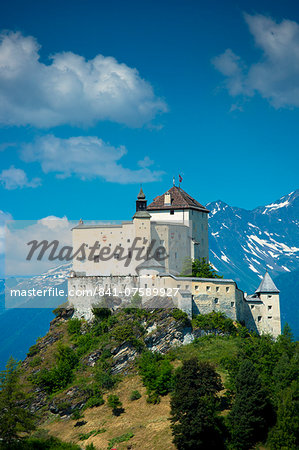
[(171, 230)]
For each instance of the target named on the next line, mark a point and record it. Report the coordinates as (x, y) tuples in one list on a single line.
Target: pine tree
[(14, 418), (249, 415), (194, 407), (285, 434)]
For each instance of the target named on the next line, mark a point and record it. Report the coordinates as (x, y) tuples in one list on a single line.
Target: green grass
[(123, 438), (209, 348)]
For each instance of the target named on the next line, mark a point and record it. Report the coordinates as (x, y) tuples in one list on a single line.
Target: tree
[(115, 403), (250, 413), (14, 418), (284, 436), (194, 419), (200, 268)]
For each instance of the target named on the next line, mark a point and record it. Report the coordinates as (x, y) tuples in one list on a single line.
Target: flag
[(180, 179)]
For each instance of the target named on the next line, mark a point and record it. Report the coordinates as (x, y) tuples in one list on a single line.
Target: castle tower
[(141, 219), (269, 320), (178, 207), (141, 201)]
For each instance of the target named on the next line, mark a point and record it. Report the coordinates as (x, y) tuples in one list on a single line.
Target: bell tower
[(141, 202)]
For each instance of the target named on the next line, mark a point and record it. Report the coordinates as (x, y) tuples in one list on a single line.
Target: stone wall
[(192, 295)]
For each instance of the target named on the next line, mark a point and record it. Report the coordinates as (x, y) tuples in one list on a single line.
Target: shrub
[(84, 436), (94, 402), (215, 321), (84, 343), (156, 372), (135, 395), (36, 361), (123, 332), (100, 312), (181, 316), (127, 333), (117, 440), (74, 326), (37, 443), (52, 380), (90, 447), (115, 403), (33, 350), (77, 414), (96, 397), (104, 379)]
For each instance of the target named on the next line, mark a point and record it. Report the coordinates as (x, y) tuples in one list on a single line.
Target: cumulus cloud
[(87, 157), (145, 162), (70, 89), (276, 75), (13, 178), (19, 233)]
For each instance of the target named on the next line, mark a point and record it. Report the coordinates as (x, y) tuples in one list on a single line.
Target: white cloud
[(71, 89), (13, 178), (19, 233), (145, 162), (4, 217), (276, 75), (87, 157)]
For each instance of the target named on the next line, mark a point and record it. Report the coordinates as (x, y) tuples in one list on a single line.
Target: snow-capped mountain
[(243, 244), (54, 278)]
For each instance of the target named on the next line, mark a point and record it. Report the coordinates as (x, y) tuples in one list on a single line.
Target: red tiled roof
[(179, 200)]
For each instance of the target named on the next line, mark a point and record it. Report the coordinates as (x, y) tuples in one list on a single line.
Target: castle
[(146, 256)]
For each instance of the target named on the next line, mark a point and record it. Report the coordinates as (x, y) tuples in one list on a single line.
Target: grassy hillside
[(74, 373)]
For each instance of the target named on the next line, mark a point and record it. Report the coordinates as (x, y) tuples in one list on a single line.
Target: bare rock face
[(157, 331), (123, 357)]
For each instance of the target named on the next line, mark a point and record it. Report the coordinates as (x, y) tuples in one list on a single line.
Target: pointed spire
[(267, 285), (141, 195)]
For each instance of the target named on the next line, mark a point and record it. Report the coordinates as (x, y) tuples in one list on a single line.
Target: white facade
[(115, 259)]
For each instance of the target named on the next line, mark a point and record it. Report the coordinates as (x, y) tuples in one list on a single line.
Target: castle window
[(269, 317), (232, 304), (175, 255), (96, 259), (128, 240), (217, 288), (145, 285), (216, 300), (178, 285), (269, 307), (208, 288), (259, 318), (269, 296), (227, 289), (252, 306), (196, 287), (172, 212)]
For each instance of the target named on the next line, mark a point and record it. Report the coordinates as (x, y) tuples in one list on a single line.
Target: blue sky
[(209, 90)]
